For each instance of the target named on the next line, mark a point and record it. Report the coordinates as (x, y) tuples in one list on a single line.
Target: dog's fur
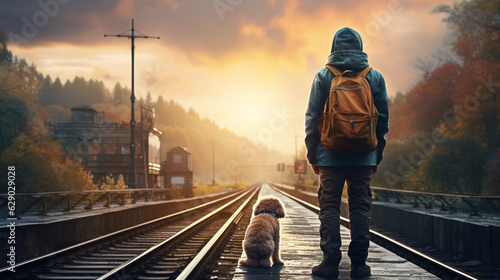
[(262, 237)]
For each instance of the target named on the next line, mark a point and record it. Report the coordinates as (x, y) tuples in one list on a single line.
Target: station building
[(104, 148), (178, 170)]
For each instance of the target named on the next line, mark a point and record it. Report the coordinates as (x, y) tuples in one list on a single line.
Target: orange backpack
[(349, 119)]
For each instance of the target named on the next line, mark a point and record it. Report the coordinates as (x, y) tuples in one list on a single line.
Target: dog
[(262, 237)]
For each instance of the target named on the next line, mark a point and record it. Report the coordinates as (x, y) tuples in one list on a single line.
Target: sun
[(253, 113)]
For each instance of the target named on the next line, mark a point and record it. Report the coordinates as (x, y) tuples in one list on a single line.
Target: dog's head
[(270, 204)]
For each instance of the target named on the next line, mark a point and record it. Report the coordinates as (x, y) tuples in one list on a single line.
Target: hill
[(232, 154)]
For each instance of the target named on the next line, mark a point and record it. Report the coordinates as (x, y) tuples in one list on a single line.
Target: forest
[(444, 132), (29, 100)]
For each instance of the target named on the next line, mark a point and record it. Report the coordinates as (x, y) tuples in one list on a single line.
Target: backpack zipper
[(358, 86), (353, 131), (336, 97)]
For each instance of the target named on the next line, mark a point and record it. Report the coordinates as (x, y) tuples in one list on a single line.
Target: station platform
[(300, 251)]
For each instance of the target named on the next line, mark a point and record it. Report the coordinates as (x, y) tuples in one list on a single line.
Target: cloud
[(195, 27), (260, 50), (286, 34)]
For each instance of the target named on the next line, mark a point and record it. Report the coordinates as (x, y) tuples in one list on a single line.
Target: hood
[(347, 51)]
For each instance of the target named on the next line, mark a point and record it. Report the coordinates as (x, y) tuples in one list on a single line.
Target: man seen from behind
[(336, 168)]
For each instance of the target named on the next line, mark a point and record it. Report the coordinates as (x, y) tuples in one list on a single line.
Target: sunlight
[(253, 117), (253, 113)]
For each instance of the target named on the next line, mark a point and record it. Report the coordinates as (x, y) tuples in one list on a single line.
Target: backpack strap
[(365, 71), (337, 73), (334, 70)]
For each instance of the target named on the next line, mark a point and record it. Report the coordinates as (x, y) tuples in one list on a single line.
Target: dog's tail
[(257, 254)]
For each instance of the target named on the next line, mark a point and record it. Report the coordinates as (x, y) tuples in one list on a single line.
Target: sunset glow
[(237, 64)]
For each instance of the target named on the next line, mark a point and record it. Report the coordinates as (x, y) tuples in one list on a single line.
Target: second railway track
[(161, 249)]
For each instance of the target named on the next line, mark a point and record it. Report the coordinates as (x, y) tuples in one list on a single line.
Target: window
[(154, 148), (177, 159), (178, 180)]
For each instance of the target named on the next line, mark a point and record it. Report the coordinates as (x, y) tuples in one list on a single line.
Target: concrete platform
[(300, 251)]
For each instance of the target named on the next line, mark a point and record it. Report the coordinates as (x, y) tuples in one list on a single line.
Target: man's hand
[(315, 168)]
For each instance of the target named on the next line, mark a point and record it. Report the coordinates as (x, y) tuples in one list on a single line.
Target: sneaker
[(327, 271), (360, 271)]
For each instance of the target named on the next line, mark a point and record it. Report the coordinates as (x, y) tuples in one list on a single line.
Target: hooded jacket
[(346, 54)]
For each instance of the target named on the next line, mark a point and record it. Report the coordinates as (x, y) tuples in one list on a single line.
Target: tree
[(421, 110), (57, 93), (477, 104), (43, 165), (427, 102), (5, 54), (121, 95), (475, 27), (13, 117), (456, 99), (25, 142), (458, 165), (46, 93), (111, 182), (493, 175)]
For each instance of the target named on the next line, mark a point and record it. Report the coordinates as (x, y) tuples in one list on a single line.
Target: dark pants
[(359, 199)]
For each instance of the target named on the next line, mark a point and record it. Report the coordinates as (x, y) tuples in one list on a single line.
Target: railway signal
[(300, 166)]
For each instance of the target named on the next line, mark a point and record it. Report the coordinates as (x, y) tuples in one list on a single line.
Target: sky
[(245, 64)]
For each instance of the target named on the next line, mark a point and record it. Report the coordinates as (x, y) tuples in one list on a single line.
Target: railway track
[(176, 246), (187, 245), (433, 265)]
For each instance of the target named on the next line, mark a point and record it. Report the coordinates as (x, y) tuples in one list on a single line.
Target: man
[(336, 168)]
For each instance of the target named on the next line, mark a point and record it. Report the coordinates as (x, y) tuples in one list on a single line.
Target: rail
[(389, 242), (32, 264), (474, 204), (204, 255), (140, 260), (66, 201)]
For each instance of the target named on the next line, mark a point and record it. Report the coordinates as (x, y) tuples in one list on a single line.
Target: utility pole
[(132, 181), (296, 146), (213, 163)]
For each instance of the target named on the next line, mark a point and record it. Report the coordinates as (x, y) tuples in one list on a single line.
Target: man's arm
[(382, 105), (314, 111)]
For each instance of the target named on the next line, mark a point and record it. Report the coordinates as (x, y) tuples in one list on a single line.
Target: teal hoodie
[(346, 54)]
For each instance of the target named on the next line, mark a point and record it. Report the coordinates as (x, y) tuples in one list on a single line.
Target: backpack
[(349, 119)]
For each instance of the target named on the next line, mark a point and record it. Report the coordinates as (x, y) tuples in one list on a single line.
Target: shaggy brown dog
[(262, 237)]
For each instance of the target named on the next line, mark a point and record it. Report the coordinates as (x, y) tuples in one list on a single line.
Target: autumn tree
[(40, 162), (42, 165), (425, 104), (457, 100), (475, 27), (110, 182), (475, 30), (18, 96)]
